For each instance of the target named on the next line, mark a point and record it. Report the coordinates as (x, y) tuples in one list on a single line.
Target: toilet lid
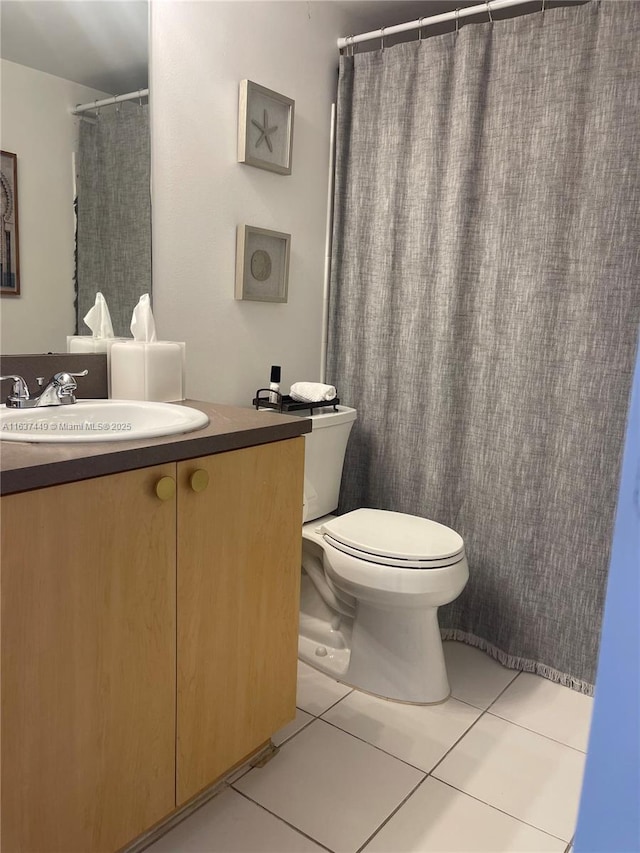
[(395, 536)]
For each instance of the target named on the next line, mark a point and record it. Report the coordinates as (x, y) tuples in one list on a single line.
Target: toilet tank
[(324, 449)]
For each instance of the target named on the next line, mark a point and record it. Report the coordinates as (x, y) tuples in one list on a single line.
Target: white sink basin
[(98, 420)]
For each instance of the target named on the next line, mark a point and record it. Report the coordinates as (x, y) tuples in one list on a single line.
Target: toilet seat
[(394, 539)]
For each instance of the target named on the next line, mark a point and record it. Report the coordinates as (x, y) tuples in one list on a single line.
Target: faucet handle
[(65, 378), (66, 384), (20, 389)]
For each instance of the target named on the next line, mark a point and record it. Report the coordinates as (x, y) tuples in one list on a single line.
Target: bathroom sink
[(98, 420)]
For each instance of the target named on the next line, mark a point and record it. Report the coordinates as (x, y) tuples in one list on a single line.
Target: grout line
[(465, 702), (526, 728), (504, 689), (297, 731), (317, 716), (389, 816), (464, 734), (453, 745), (502, 811), (534, 732), (374, 746), (286, 822)]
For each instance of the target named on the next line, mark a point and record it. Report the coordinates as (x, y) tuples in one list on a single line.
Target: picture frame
[(265, 128), (262, 264), (9, 244)]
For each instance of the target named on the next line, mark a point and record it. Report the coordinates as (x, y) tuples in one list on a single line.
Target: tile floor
[(498, 767)]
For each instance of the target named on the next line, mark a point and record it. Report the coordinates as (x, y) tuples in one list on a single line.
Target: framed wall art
[(265, 128), (9, 255), (262, 264)]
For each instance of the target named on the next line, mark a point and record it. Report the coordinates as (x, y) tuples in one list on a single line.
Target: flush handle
[(165, 488), (199, 480)]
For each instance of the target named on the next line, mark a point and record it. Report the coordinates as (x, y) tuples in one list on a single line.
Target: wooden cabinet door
[(239, 552), (88, 663)]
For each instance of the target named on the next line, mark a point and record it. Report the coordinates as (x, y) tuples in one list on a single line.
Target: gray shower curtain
[(485, 301), (113, 240)]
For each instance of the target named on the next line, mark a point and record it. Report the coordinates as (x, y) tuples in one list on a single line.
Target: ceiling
[(99, 43)]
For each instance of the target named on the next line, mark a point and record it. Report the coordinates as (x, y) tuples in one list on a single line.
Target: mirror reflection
[(58, 55)]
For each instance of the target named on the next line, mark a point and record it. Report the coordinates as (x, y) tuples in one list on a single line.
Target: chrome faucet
[(57, 392)]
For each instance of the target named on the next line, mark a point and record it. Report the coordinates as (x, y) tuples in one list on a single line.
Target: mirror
[(55, 55)]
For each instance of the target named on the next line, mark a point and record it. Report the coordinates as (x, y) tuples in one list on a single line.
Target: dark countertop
[(28, 465)]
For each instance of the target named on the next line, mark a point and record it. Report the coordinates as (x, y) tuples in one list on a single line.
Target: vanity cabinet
[(239, 557), (113, 599), (88, 663)]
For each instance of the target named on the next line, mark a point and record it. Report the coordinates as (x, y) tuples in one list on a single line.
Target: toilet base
[(392, 653), (397, 653)]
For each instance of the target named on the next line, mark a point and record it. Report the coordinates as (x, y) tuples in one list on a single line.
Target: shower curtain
[(485, 301), (113, 238)]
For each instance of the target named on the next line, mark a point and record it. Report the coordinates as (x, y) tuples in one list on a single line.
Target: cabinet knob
[(165, 488), (199, 480)]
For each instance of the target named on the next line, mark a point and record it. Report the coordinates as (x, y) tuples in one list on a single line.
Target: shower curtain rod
[(116, 99), (483, 8)]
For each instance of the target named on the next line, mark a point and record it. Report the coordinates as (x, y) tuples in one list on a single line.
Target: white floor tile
[(439, 819), (548, 708), (316, 691), (331, 786), (520, 772), (418, 734), (474, 677), (301, 720), (229, 823)]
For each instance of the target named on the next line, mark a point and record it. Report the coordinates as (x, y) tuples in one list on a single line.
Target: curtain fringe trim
[(514, 662)]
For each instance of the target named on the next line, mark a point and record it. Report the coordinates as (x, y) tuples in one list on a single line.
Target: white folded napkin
[(311, 392)]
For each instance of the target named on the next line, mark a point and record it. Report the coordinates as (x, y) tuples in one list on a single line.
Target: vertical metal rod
[(328, 244)]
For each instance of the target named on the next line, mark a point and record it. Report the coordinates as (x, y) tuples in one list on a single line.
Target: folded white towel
[(311, 392)]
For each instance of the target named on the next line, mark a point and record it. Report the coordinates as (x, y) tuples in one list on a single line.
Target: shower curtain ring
[(382, 29), (489, 10), (457, 21), (420, 29), (544, 3)]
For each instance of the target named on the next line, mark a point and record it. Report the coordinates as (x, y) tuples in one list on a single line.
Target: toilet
[(372, 582)]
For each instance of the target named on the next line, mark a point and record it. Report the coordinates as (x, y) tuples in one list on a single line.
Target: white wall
[(37, 126), (199, 53)]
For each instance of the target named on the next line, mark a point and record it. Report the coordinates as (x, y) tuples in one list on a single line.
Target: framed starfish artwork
[(262, 264), (265, 128)]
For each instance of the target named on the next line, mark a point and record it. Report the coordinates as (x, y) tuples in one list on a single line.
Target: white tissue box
[(148, 371), (86, 343)]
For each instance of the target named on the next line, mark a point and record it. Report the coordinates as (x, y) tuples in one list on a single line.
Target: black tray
[(286, 404)]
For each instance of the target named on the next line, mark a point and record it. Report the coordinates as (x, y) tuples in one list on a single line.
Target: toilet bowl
[(372, 581)]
